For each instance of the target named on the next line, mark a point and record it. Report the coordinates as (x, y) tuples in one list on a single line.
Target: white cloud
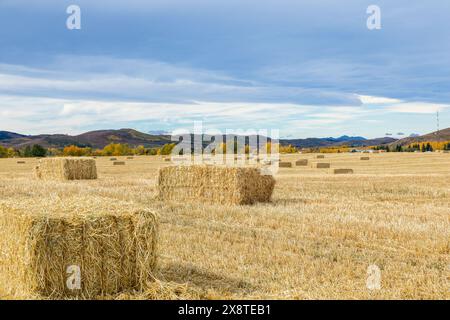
[(377, 100), (103, 78), (417, 107), (34, 115)]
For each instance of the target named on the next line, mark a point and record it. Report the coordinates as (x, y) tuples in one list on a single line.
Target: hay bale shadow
[(202, 279)]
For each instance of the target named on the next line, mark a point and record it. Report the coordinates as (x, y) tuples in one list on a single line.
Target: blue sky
[(307, 68)]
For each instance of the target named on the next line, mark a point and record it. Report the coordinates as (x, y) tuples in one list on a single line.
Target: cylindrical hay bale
[(301, 162), (54, 248), (21, 162), (320, 156), (66, 169), (322, 165), (285, 164), (119, 163), (343, 171), (364, 158), (214, 184)]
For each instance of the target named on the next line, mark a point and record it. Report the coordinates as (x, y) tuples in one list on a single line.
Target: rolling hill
[(100, 138), (95, 139), (344, 140), (442, 136)]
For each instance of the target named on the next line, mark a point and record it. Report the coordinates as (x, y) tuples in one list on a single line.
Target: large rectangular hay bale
[(285, 165), (66, 169), (21, 162), (322, 165), (119, 163), (301, 162), (364, 158), (214, 184), (320, 156), (47, 244), (343, 171)]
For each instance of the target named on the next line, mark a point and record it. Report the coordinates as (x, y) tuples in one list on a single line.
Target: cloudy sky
[(307, 68)]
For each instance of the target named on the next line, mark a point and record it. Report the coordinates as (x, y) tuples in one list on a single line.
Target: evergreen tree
[(38, 151), (27, 152)]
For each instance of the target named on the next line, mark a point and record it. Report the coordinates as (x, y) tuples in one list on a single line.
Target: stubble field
[(315, 240)]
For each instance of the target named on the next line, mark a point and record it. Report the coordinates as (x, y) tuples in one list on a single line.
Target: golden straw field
[(315, 240)]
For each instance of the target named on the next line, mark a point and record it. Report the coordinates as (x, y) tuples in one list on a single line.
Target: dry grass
[(315, 239)]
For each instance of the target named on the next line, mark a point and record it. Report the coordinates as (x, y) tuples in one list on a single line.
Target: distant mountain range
[(100, 138)]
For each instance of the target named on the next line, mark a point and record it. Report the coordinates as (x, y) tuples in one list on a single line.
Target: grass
[(314, 241)]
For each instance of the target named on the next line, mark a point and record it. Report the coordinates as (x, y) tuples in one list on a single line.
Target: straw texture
[(214, 184), (322, 165), (113, 244), (343, 171), (66, 169), (285, 165), (301, 162)]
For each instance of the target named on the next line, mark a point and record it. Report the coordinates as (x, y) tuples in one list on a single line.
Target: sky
[(307, 68)]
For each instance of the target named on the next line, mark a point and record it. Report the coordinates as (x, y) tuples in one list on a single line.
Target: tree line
[(118, 149)]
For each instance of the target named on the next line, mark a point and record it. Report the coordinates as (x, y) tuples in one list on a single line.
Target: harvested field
[(314, 240)]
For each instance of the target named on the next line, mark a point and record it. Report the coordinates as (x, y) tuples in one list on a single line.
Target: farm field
[(315, 240)]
